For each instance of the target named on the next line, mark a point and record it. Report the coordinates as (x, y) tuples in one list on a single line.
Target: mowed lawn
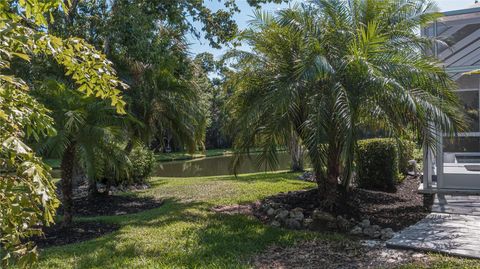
[(185, 233)]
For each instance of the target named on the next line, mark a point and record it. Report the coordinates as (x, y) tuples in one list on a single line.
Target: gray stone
[(386, 233), (307, 176), (365, 223), (271, 211), (343, 224), (293, 224), (282, 215), (132, 188), (307, 222), (297, 214), (276, 205), (357, 230), (323, 216), (275, 224), (372, 231)]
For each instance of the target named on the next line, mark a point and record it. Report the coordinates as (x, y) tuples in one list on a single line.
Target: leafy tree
[(145, 40), (26, 192), (215, 87), (331, 68)]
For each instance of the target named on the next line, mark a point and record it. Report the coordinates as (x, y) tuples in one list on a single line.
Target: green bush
[(377, 164), (118, 168), (142, 160), (406, 152)]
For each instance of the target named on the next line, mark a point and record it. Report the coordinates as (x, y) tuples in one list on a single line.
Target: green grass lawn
[(185, 233)]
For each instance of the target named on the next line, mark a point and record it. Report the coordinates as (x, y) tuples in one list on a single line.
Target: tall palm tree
[(329, 69), (166, 103), (87, 129)]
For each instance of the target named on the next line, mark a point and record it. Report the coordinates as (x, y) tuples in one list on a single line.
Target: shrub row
[(381, 162)]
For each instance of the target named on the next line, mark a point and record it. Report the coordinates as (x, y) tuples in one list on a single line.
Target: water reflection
[(214, 166)]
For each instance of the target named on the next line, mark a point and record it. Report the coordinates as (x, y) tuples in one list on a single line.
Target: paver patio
[(452, 228)]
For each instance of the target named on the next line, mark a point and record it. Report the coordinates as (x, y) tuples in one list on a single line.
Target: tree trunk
[(329, 187), (92, 188), (296, 153), (67, 165), (129, 147)]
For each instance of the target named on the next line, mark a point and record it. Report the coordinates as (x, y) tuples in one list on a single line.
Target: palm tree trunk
[(296, 153), (331, 184), (129, 147), (67, 165), (92, 188)]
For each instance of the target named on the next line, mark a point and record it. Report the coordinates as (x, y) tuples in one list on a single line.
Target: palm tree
[(87, 129), (329, 69), (165, 104)]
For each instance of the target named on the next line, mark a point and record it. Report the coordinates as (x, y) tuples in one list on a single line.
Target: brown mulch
[(394, 210), (56, 235), (344, 254), (107, 205)]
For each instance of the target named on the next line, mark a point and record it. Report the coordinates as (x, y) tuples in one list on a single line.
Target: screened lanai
[(455, 164)]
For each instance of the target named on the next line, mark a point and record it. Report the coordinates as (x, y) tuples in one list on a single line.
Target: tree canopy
[(26, 190), (330, 69)]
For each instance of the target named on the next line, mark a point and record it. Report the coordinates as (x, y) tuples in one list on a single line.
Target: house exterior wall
[(460, 53), (457, 160)]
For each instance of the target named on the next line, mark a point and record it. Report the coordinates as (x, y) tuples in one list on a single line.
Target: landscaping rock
[(386, 233), (365, 223), (323, 216), (372, 231), (307, 222), (282, 215), (271, 211), (297, 214), (307, 176), (293, 224), (357, 230), (275, 224), (276, 205), (343, 224)]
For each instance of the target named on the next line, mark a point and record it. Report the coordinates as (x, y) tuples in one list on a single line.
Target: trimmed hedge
[(381, 161), (406, 152), (377, 164)]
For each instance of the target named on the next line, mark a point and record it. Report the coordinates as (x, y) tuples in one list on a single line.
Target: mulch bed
[(107, 205), (336, 254), (395, 210), (56, 235), (101, 205)]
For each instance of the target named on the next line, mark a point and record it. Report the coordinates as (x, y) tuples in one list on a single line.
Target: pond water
[(214, 166)]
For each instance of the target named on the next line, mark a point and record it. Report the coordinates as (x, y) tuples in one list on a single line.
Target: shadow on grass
[(178, 234)]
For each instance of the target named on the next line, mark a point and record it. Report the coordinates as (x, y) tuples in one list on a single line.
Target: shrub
[(143, 161), (406, 152), (121, 169), (377, 164)]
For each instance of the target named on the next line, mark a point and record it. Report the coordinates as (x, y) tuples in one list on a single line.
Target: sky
[(242, 18)]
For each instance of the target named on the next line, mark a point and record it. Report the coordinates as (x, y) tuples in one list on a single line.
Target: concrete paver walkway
[(452, 228)]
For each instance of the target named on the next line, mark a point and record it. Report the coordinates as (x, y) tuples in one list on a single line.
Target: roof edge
[(461, 11)]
